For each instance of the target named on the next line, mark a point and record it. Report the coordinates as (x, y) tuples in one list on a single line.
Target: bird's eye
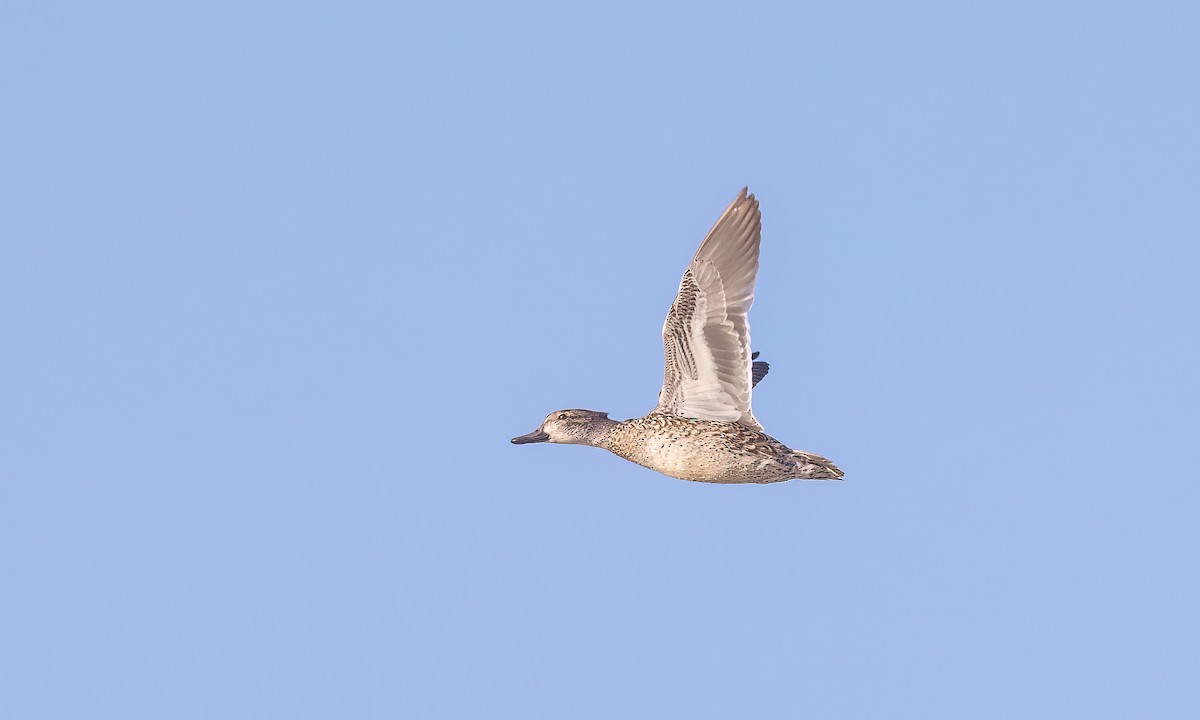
[(562, 416)]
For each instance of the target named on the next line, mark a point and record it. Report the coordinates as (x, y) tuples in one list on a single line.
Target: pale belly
[(705, 463), (701, 450)]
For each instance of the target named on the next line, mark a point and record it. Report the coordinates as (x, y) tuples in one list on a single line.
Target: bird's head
[(569, 427)]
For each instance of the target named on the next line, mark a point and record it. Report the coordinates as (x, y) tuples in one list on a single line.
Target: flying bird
[(703, 428)]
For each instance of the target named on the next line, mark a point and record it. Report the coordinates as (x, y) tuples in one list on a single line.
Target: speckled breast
[(700, 450)]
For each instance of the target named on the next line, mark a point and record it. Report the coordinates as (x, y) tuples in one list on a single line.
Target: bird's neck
[(600, 431)]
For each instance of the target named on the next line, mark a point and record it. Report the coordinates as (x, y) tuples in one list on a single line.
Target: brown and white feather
[(706, 335)]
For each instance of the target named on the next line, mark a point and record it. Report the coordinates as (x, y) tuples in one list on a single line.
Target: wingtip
[(745, 203)]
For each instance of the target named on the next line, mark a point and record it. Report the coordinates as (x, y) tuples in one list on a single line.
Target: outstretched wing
[(707, 333), (758, 370)]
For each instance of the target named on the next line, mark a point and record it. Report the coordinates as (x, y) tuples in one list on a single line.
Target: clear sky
[(278, 282)]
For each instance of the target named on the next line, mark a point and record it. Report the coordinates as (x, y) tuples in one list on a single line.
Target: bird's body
[(707, 451), (703, 428)]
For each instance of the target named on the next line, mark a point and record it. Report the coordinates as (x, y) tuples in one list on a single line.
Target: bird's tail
[(814, 467)]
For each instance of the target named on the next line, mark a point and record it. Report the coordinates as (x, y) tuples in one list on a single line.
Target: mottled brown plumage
[(707, 451), (703, 428)]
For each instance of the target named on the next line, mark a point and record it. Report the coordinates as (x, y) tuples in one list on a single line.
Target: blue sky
[(279, 281)]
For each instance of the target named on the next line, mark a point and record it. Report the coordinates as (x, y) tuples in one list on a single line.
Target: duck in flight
[(703, 428)]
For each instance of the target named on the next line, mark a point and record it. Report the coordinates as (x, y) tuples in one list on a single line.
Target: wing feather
[(706, 335)]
